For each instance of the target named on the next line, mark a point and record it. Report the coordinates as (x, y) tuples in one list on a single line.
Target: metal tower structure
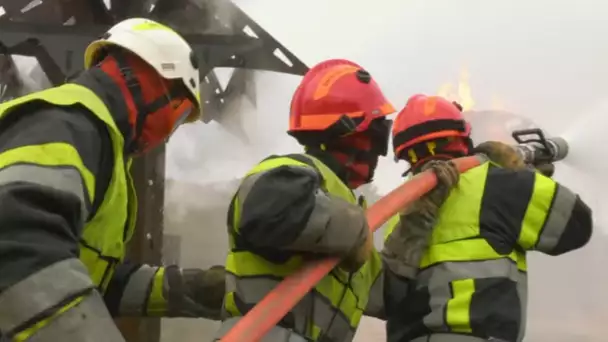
[(56, 32)]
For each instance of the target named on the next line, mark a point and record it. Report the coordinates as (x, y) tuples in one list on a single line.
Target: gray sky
[(546, 60)]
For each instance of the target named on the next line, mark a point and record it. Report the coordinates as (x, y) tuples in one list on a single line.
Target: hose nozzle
[(558, 147), (536, 149)]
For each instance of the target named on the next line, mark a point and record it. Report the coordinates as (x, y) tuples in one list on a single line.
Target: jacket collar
[(330, 161), (108, 91)]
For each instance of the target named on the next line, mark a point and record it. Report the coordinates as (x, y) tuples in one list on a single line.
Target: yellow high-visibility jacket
[(473, 275), (260, 255)]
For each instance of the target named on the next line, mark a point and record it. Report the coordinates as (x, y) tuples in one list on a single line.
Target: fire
[(461, 93)]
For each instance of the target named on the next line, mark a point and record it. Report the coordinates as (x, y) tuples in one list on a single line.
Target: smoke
[(537, 56), (585, 138), (207, 153)]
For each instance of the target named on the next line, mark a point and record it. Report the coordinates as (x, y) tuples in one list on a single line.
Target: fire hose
[(272, 308)]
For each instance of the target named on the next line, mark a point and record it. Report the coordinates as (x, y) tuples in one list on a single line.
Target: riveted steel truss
[(56, 32)]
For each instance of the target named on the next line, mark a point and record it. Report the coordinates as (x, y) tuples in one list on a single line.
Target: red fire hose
[(270, 310)]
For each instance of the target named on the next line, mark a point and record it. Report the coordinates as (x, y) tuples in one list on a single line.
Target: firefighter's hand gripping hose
[(270, 310), (407, 240)]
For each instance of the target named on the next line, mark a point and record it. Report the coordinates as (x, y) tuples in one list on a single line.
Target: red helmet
[(427, 118), (337, 97)]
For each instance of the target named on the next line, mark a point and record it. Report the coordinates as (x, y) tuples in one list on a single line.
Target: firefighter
[(472, 279), (68, 205), (292, 208)]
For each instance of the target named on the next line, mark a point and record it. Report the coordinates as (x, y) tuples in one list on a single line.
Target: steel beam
[(59, 49), (220, 33), (146, 246)]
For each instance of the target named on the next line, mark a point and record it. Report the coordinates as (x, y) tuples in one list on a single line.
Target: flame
[(461, 93)]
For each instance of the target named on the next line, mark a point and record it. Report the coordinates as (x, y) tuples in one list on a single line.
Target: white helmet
[(158, 45)]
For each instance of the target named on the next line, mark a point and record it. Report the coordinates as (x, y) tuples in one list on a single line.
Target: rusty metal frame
[(240, 44), (60, 58)]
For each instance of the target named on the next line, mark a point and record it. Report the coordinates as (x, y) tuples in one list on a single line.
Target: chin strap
[(135, 89), (420, 164)]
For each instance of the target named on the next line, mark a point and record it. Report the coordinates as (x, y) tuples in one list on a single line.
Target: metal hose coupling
[(536, 149)]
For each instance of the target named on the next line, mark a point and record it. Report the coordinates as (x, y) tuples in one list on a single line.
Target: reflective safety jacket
[(332, 311), (48, 184), (473, 277)]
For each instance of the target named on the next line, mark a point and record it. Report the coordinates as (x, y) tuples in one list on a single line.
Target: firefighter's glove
[(447, 178), (501, 154), (360, 254), (194, 292), (347, 234), (404, 247), (546, 169)]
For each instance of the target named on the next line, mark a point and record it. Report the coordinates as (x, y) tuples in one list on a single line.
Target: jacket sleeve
[(138, 290), (49, 160), (557, 220), (286, 208), (541, 214)]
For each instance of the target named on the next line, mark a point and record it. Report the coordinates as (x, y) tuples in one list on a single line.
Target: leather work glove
[(501, 154), (194, 292), (339, 229), (360, 254), (404, 247)]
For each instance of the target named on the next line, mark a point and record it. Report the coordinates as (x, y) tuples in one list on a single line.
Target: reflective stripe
[(252, 290), (451, 285), (451, 338), (522, 293), (66, 179), (276, 334), (54, 155), (538, 209), (247, 185), (334, 227), (467, 250), (558, 218), (88, 321), (249, 266), (157, 304), (459, 306), (98, 267), (42, 291), (135, 294), (149, 25), (435, 320), (447, 272), (316, 227)]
